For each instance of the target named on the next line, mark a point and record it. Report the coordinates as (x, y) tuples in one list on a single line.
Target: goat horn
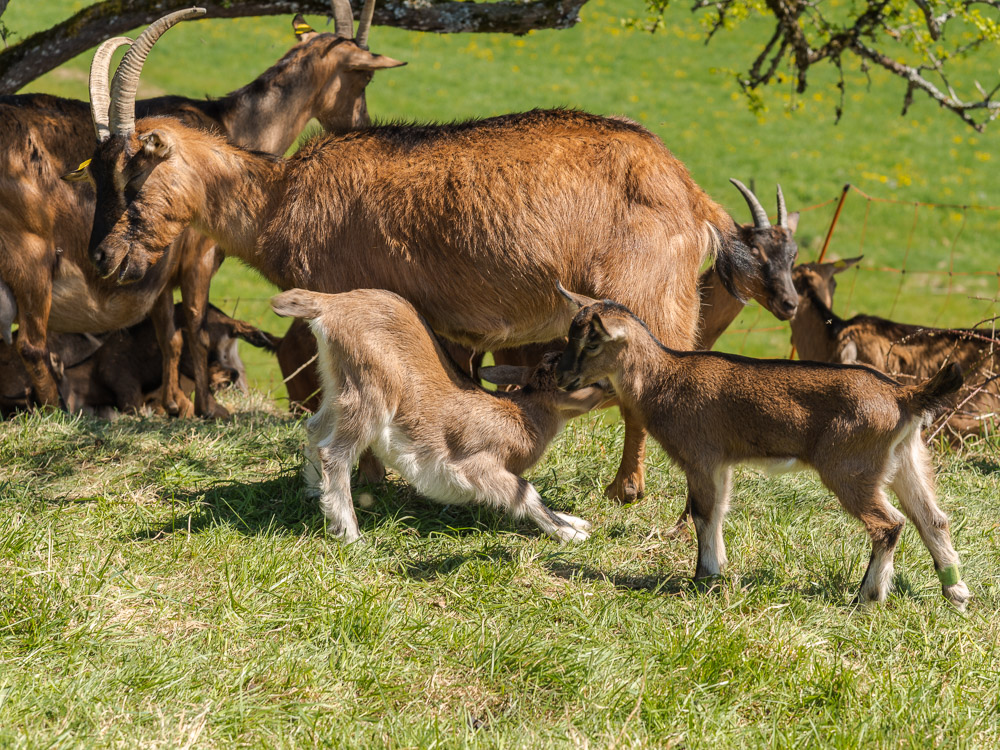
[(343, 18), (759, 214), (782, 211), (126, 80), (100, 92), (365, 24)]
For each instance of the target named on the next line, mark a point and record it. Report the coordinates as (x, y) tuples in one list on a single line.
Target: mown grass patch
[(166, 582)]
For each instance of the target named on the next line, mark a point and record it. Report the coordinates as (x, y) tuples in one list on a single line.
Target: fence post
[(833, 224)]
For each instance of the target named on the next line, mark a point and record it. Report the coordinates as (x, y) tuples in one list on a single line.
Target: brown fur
[(592, 201), (44, 221), (389, 386), (907, 353), (857, 428), (123, 369)]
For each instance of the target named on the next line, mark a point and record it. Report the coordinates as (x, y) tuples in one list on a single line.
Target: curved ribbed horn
[(343, 18), (126, 80), (365, 24), (782, 211), (759, 214), (100, 92)]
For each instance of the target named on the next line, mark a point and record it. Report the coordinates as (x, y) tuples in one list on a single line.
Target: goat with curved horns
[(44, 222), (597, 201), (774, 252)]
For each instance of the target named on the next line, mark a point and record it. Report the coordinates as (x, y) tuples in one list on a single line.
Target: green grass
[(165, 582)]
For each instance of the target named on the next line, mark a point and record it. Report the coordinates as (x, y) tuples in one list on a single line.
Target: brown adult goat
[(44, 222), (774, 252), (908, 353), (596, 201), (710, 411)]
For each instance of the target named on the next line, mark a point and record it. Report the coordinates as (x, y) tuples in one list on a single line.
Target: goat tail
[(930, 395), (298, 303), (733, 260)]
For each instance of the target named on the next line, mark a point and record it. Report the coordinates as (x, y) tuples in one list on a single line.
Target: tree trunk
[(41, 52)]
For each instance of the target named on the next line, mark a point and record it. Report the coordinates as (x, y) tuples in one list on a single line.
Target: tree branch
[(41, 52), (875, 33)]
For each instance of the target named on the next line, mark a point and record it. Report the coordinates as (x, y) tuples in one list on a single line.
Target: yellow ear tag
[(840, 264), (83, 166), (302, 28), (77, 174)]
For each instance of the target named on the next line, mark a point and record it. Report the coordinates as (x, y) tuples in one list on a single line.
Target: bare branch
[(803, 36), (41, 52)]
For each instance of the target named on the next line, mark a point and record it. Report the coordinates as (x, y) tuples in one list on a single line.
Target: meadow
[(165, 582)]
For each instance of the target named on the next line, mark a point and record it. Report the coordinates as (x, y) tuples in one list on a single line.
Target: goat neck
[(719, 308), (815, 329)]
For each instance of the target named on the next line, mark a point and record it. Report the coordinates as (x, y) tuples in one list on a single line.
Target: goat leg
[(170, 339), (630, 482), (200, 260), (35, 301)]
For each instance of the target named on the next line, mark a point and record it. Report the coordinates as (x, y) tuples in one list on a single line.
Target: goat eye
[(592, 347)]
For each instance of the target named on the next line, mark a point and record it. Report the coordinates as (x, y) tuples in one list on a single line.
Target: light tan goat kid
[(710, 411), (388, 385)]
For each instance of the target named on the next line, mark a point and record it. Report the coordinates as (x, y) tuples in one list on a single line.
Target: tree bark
[(41, 52)]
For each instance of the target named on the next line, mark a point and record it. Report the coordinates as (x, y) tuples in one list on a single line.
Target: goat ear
[(610, 331), (156, 143), (576, 300), (303, 31), (505, 374), (362, 59), (843, 265), (793, 221), (80, 174), (848, 354)]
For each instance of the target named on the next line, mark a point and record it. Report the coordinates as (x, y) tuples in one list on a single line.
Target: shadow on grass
[(654, 583), (279, 504)]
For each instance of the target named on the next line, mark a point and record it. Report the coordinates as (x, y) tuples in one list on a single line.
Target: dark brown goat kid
[(45, 222), (857, 428), (596, 201), (908, 353)]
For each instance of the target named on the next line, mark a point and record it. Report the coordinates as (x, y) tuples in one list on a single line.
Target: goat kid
[(389, 386), (908, 353), (44, 222), (857, 428)]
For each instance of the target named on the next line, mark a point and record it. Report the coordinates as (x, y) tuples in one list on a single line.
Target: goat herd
[(423, 246)]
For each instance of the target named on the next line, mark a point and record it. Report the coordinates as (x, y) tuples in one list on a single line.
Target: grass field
[(165, 583)]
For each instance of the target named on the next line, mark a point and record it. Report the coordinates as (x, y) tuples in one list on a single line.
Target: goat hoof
[(680, 530), (215, 410), (625, 490), (958, 595), (577, 523), (570, 534)]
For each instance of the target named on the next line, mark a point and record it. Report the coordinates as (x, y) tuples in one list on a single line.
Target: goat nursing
[(857, 428), (389, 386)]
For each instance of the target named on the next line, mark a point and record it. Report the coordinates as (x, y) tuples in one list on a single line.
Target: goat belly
[(431, 476)]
